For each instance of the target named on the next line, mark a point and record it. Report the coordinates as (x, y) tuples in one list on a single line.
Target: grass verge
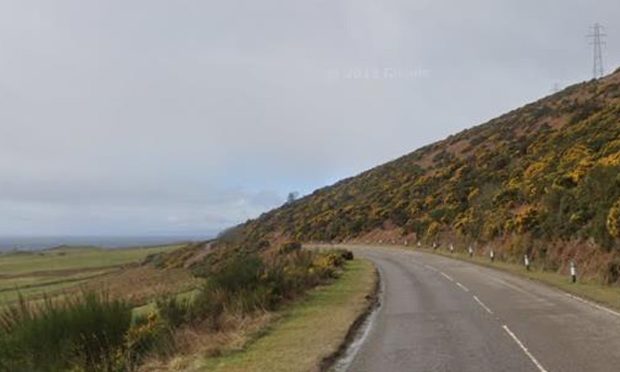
[(308, 331)]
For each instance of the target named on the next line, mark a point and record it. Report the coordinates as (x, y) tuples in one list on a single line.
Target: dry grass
[(295, 338), (194, 343), (142, 284), (307, 332)]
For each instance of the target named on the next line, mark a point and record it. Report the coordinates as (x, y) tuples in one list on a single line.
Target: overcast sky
[(185, 117)]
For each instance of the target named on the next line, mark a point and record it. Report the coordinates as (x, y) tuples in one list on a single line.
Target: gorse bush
[(148, 335), (86, 332), (244, 283)]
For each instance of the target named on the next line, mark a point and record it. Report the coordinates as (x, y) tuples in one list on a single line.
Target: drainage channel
[(343, 363)]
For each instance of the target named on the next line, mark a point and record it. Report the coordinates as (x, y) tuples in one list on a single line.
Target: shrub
[(612, 274), (290, 247), (147, 335), (173, 311), (86, 332), (613, 220), (245, 283)]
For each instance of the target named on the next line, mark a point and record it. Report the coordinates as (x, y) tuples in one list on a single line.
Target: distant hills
[(32, 243), (543, 180)]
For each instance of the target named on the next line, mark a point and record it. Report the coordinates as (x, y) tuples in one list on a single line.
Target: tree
[(292, 196)]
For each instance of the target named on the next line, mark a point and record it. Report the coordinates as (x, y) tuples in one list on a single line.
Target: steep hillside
[(542, 179)]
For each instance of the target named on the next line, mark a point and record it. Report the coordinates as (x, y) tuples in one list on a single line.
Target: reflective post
[(526, 261)]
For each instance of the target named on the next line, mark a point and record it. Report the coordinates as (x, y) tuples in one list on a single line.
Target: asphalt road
[(440, 314)]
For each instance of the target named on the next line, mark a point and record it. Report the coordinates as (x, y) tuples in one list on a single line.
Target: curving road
[(439, 314)]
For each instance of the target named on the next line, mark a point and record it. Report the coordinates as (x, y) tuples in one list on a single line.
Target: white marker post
[(451, 248), (434, 245), (573, 272), (471, 251), (526, 261), (492, 255), (419, 245)]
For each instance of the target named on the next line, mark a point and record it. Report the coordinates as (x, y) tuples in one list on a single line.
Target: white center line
[(446, 276), (430, 267), (485, 307), (525, 350), (462, 287)]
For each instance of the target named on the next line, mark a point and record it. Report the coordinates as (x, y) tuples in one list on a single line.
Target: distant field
[(34, 273)]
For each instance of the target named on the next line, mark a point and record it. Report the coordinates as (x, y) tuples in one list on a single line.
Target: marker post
[(573, 272), (526, 261), (492, 255), (471, 251)]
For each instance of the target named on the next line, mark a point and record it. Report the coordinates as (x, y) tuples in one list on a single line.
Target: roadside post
[(526, 261), (573, 272), (451, 248), (492, 255), (434, 245), (419, 245), (471, 251)]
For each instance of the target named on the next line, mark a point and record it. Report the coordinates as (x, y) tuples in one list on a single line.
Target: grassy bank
[(605, 295), (307, 331)]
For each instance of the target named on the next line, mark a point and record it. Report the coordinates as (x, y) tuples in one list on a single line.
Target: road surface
[(440, 314)]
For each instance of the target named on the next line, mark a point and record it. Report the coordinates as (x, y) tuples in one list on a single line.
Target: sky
[(178, 117)]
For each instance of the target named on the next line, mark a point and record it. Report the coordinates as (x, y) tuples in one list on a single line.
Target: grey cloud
[(188, 116)]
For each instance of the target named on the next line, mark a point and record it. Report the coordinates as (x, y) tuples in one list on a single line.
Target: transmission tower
[(597, 41)]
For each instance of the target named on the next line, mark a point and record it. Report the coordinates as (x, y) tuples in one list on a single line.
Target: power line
[(597, 41)]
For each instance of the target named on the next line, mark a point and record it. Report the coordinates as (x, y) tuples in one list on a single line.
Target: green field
[(34, 273)]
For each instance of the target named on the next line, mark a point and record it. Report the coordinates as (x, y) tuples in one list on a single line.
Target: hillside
[(543, 179)]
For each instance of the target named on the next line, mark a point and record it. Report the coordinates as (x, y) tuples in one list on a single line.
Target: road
[(440, 314)]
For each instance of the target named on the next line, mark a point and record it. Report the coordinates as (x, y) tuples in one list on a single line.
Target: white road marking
[(462, 287), (603, 308), (525, 350), (485, 307), (446, 276), (430, 267)]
